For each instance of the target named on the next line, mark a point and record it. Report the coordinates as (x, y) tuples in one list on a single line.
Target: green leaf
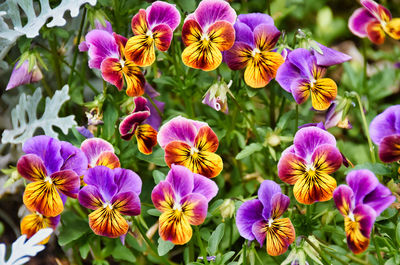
[(25, 122), (377, 169), (248, 150), (123, 253), (84, 249), (187, 5), (72, 229), (110, 118), (215, 239), (154, 212), (158, 176), (398, 233), (157, 157), (164, 246), (227, 256)]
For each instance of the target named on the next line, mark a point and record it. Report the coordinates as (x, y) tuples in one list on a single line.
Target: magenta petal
[(93, 147), (181, 180), (101, 44), (271, 31), (385, 124), (163, 13), (368, 216), (210, 11), (127, 180), (252, 20), (308, 139), (127, 203), (379, 199), (243, 33), (359, 20), (197, 205), (267, 190), (343, 197), (74, 158), (107, 27), (31, 167), (248, 213), (286, 74), (163, 196), (21, 75), (90, 197), (48, 149), (389, 149), (361, 182), (67, 182), (128, 125), (258, 230), (103, 179), (330, 56), (300, 90), (140, 104), (204, 186), (111, 73), (279, 204), (234, 56), (179, 129)]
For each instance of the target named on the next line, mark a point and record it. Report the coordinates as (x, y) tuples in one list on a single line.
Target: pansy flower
[(385, 132), (373, 21), (153, 28), (308, 163), (260, 219), (191, 144), (107, 53), (111, 193), (360, 202), (302, 76), (134, 124), (99, 152), (206, 33), (54, 168), (256, 37), (182, 198), (334, 117), (35, 221)]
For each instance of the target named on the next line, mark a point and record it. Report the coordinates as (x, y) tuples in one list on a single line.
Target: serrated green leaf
[(215, 239), (27, 107), (164, 246), (248, 150)]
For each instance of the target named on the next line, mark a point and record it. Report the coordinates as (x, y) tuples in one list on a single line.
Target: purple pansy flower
[(373, 21), (135, 124), (54, 168), (385, 132), (21, 75), (302, 76), (260, 219), (328, 56), (111, 193), (308, 163), (360, 202), (182, 198)]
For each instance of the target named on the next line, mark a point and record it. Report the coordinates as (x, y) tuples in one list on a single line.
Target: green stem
[(324, 260), (47, 86), (244, 252), (336, 258), (200, 243), (56, 61), (365, 124), (272, 108), (297, 118), (269, 7), (149, 242), (355, 259), (377, 249), (77, 44)]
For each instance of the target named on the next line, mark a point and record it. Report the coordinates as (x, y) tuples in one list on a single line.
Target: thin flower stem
[(56, 60), (244, 252), (355, 259), (77, 44), (269, 7), (320, 253), (272, 108), (336, 258), (200, 243), (297, 118), (364, 120), (149, 242), (46, 86), (377, 249)]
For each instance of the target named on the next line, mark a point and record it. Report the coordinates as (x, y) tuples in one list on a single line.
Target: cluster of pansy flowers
[(211, 34)]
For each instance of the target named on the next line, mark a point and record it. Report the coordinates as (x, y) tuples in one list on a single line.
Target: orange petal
[(140, 50), (279, 236), (191, 32), (375, 32), (203, 55), (323, 92), (108, 159), (175, 227), (206, 140), (261, 68), (314, 187), (222, 34), (134, 78), (108, 222), (139, 23), (32, 223), (146, 138), (393, 28), (43, 197)]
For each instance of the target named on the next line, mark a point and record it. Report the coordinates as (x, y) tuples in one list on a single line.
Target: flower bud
[(227, 208)]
